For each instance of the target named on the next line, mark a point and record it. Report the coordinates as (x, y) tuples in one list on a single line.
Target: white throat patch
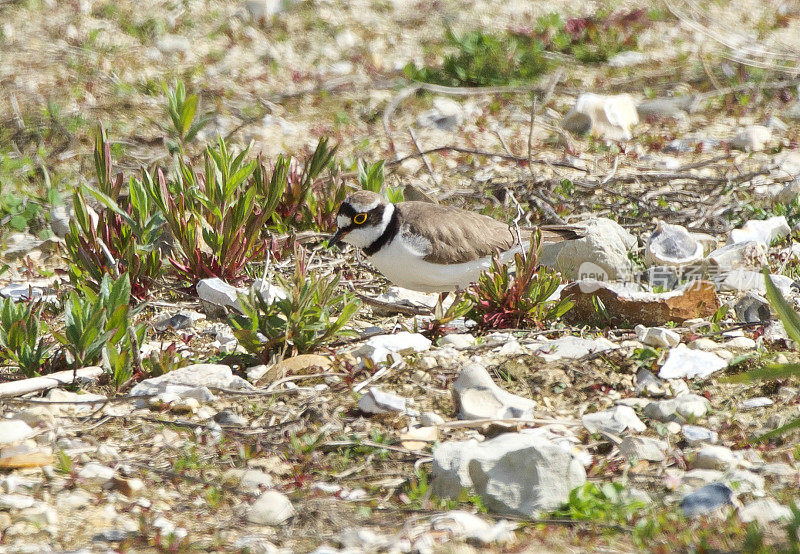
[(363, 236)]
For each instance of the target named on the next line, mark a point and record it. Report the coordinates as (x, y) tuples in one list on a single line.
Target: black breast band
[(386, 237)]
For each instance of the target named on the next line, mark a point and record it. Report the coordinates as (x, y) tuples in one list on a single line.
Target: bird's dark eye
[(359, 219)]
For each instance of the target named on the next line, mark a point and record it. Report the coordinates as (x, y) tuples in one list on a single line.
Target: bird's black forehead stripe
[(347, 209)]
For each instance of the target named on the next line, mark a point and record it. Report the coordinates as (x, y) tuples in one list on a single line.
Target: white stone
[(219, 293), (466, 526), (764, 511), (742, 280), (406, 297), (627, 58), (615, 421), (173, 44), (378, 348), (713, 456), (376, 401), (752, 138), (96, 472), (478, 397), (515, 473), (744, 254), (15, 501), (657, 336), (643, 448), (683, 362), (190, 380), (764, 231), (610, 117), (672, 246), (757, 402), (695, 435), (573, 348), (14, 430), (429, 419), (601, 254), (691, 406), (458, 341), (265, 9), (271, 508), (446, 115), (740, 343)]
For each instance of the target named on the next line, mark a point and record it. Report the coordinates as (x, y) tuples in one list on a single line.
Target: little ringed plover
[(430, 247)]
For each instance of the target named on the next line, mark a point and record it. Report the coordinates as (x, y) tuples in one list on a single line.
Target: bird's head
[(362, 218)]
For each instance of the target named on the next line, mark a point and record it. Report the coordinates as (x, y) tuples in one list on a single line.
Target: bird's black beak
[(337, 237)]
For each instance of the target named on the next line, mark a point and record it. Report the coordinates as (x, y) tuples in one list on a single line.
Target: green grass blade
[(790, 319)]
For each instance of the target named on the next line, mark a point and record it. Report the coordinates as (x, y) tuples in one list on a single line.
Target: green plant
[(608, 502), (182, 110), (63, 462), (123, 238), (218, 218), (163, 361), (20, 336), (299, 322), (483, 59), (460, 307), (310, 202), (791, 322), (95, 320), (504, 300), (371, 177), (592, 39)]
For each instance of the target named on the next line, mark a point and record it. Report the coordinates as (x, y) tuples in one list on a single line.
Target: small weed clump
[(513, 57), (123, 238), (218, 217), (21, 336), (298, 323), (510, 301), (310, 201), (606, 502), (481, 59), (97, 325)]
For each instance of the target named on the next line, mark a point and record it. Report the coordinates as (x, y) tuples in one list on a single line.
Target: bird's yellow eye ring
[(359, 219)]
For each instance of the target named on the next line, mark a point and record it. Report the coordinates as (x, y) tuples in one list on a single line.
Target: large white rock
[(684, 362), (742, 280), (712, 456), (375, 401), (478, 397), (657, 336), (609, 117), (515, 473), (748, 253), (190, 381), (379, 347), (602, 253), (14, 430), (219, 293), (643, 448), (752, 138), (573, 348), (673, 246), (616, 421), (466, 526), (271, 508), (761, 230), (763, 511)]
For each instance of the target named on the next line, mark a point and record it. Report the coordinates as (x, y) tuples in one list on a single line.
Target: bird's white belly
[(408, 269)]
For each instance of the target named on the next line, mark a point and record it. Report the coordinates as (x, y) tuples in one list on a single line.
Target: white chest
[(402, 263)]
